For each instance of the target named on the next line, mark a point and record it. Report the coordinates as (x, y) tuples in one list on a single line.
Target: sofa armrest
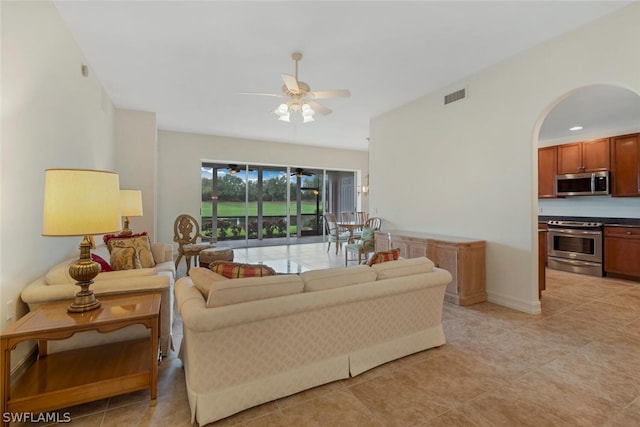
[(39, 292), (162, 252)]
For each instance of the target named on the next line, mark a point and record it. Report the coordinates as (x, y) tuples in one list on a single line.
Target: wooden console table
[(72, 377), (463, 258)]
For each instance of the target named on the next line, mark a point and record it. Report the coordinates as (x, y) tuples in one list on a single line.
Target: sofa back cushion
[(203, 279), (318, 280), (236, 270), (403, 267), (227, 292)]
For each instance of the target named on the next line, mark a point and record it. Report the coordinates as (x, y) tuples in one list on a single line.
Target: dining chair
[(361, 247), (346, 216), (360, 218), (334, 233), (186, 232)]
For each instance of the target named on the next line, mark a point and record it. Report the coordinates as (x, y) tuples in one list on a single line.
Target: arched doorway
[(585, 114)]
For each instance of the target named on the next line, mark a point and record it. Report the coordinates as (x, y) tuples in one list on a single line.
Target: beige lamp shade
[(81, 202), (130, 203)]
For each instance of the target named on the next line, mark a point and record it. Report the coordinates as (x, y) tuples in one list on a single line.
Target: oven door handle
[(575, 232)]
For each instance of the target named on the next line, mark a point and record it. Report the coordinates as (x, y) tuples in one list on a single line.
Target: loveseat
[(57, 285), (325, 325)]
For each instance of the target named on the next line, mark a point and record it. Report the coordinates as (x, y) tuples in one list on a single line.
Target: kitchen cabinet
[(463, 258), (622, 251), (586, 156), (547, 166), (625, 166)]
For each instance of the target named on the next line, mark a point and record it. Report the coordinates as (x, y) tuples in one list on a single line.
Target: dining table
[(351, 226)]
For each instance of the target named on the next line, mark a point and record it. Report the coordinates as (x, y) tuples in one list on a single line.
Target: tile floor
[(576, 364)]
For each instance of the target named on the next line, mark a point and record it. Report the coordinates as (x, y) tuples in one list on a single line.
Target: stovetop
[(574, 224)]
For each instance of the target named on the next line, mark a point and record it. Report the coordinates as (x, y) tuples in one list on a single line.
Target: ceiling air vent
[(455, 96)]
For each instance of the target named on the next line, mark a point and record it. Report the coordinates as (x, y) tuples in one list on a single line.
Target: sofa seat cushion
[(318, 280), (235, 270), (403, 267), (227, 292), (203, 279)]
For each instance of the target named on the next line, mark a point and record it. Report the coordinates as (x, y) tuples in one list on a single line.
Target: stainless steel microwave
[(582, 184)]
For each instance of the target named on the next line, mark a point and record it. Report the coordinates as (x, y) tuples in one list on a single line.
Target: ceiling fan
[(234, 169), (300, 97), (299, 172)]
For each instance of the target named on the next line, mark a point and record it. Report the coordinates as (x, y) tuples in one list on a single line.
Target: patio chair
[(186, 232), (334, 233)]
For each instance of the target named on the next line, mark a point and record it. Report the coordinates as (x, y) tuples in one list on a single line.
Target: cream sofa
[(333, 324), (58, 285)]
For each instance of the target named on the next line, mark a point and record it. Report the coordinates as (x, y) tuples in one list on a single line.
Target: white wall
[(468, 168), (52, 117), (180, 156), (136, 138)]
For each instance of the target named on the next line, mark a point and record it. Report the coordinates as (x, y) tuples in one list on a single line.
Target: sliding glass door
[(261, 202)]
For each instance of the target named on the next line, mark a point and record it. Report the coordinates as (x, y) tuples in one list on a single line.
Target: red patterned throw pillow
[(378, 257), (235, 270)]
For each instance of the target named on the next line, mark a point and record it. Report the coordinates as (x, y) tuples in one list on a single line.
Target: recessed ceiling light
[(576, 128)]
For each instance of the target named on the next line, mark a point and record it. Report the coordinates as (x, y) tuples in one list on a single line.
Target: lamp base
[(84, 301), (84, 271)]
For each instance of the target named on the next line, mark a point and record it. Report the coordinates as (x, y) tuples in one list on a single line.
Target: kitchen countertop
[(615, 222)]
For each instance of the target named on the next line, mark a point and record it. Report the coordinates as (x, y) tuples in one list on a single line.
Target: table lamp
[(80, 202), (130, 205)]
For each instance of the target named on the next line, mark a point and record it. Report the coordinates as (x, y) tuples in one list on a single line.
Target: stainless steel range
[(575, 246)]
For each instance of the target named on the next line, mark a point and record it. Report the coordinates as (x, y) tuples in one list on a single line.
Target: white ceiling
[(189, 61)]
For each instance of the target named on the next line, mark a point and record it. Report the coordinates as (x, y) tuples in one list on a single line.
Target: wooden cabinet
[(625, 166), (622, 251), (410, 247), (463, 258), (581, 157), (547, 166)]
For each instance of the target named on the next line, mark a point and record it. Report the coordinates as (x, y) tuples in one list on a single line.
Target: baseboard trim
[(529, 307)]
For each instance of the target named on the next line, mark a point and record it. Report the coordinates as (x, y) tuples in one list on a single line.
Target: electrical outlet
[(9, 310)]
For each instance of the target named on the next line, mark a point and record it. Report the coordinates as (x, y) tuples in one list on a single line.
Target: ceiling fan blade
[(342, 93), (291, 83), (318, 108), (278, 95)]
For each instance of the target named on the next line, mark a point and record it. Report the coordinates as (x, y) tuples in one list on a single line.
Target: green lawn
[(237, 209)]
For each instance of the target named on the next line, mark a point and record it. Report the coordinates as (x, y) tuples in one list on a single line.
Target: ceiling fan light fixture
[(283, 112), (307, 113)]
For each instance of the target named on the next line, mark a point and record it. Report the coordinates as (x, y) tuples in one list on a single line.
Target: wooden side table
[(82, 375)]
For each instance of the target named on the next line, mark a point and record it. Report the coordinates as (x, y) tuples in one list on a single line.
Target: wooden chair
[(363, 246), (334, 233), (373, 222), (346, 216), (186, 232), (360, 218)]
